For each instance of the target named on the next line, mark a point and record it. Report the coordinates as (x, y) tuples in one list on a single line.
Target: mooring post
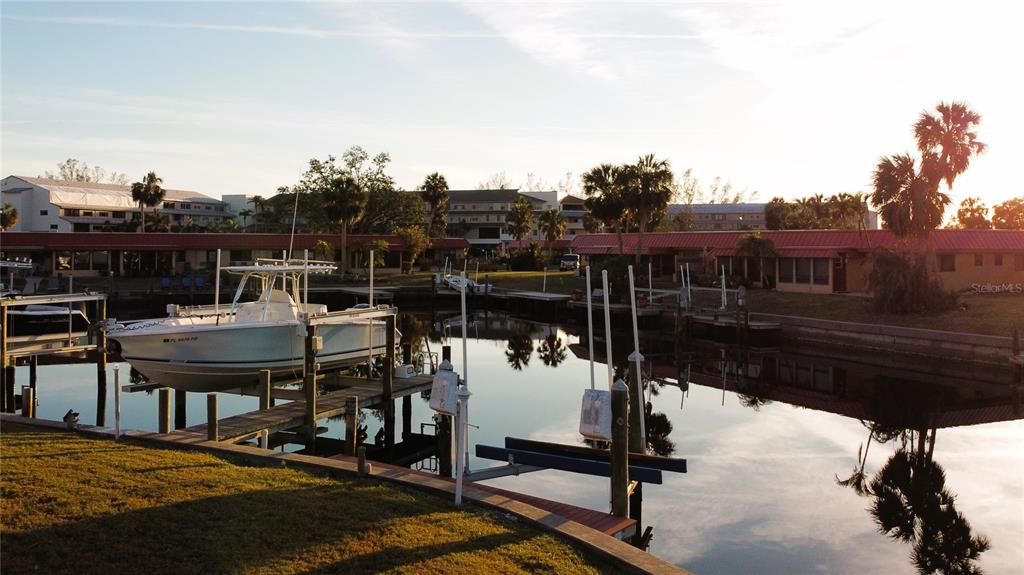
[(3, 358), (406, 417), (180, 411), (9, 376), (212, 421), (351, 424), (309, 386), (164, 410), (28, 401), (389, 384), (636, 407), (362, 461), (101, 368), (620, 449), (265, 396), (33, 366)]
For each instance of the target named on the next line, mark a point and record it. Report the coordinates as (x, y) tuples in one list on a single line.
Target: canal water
[(808, 461)]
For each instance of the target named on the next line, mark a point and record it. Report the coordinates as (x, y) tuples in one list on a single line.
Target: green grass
[(74, 504), (983, 314)]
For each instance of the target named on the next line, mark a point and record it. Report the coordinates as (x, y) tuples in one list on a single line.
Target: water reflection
[(551, 350), (519, 350)]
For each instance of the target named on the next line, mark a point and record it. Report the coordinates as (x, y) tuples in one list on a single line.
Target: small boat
[(217, 348)]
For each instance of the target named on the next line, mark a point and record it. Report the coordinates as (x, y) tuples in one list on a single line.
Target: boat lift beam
[(502, 471), (575, 464)]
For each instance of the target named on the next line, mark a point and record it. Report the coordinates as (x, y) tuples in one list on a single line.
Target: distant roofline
[(44, 182)]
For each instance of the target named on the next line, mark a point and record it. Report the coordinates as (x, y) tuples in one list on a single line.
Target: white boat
[(215, 348)]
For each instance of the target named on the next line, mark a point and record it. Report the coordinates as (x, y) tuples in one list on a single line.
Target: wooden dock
[(290, 415), (618, 527), (531, 296)]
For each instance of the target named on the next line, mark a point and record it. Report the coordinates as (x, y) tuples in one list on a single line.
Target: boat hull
[(230, 356)]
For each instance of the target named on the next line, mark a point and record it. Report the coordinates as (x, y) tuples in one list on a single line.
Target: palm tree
[(345, 204), (906, 200), (519, 218), (147, 193), (434, 191), (601, 185), (8, 216), (552, 224), (755, 246), (947, 141), (257, 203), (245, 218), (647, 189)]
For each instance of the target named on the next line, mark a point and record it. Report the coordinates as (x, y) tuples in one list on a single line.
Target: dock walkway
[(293, 414)]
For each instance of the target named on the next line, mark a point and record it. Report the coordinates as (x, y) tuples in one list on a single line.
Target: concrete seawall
[(948, 345)]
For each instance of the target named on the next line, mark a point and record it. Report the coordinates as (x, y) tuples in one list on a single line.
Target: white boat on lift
[(216, 348)]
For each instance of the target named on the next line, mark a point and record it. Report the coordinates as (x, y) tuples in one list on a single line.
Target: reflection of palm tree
[(754, 402), (912, 504), (659, 428), (551, 350), (519, 350)]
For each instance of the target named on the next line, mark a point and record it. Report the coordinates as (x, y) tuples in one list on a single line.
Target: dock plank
[(331, 404)]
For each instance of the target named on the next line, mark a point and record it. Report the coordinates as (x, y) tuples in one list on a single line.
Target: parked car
[(569, 262)]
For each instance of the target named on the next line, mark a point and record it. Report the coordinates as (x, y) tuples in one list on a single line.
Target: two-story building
[(46, 205)]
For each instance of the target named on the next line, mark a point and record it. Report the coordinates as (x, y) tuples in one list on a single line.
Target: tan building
[(826, 261)]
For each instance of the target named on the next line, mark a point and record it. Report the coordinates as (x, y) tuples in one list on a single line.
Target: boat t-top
[(216, 348)]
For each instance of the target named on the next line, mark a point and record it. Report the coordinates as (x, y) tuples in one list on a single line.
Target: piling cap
[(636, 356), (620, 385), (445, 365)]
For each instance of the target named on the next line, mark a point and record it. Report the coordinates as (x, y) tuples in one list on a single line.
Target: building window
[(999, 259), (117, 215), (101, 261), (82, 260), (87, 213), (53, 226), (947, 263), (168, 205), (786, 270), (1018, 262), (821, 271), (62, 261), (979, 259), (44, 212), (718, 217), (803, 270)]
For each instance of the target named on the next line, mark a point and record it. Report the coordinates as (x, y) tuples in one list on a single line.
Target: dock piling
[(362, 461), (309, 386), (180, 417), (212, 422), (620, 449), (388, 384), (163, 410), (265, 396), (28, 401), (351, 424), (101, 368)]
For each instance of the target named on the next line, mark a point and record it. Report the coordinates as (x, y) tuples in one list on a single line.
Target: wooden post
[(406, 417), (164, 410), (3, 358), (180, 412), (444, 445), (620, 449), (362, 460), (212, 421), (389, 384), (636, 410), (406, 353), (101, 369), (351, 424), (309, 386), (33, 366), (265, 388), (28, 401), (8, 391)]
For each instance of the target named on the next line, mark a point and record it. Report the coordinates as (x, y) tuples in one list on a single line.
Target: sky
[(779, 98)]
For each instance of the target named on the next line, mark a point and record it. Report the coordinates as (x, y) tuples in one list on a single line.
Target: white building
[(46, 205)]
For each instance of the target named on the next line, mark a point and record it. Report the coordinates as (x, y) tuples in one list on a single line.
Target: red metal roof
[(823, 242), (167, 241), (561, 244)]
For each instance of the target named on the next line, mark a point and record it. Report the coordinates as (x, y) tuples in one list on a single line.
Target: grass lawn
[(74, 504), (984, 314)]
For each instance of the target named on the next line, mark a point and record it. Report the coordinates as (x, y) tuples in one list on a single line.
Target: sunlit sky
[(785, 98)]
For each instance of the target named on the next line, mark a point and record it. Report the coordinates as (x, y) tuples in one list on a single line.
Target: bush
[(900, 283), (527, 259)]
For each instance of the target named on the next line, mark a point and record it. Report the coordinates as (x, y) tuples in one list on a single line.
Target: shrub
[(900, 283)]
